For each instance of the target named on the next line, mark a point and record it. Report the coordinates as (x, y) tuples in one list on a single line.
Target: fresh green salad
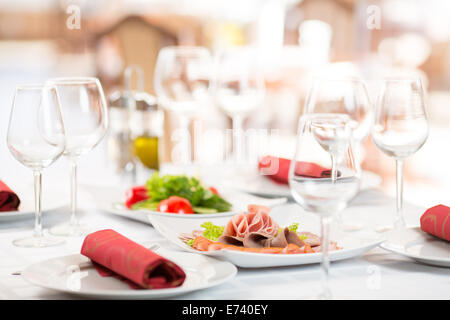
[(179, 194)]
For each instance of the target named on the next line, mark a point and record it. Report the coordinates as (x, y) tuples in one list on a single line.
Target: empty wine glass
[(238, 87), (343, 95), (84, 111), (36, 139), (324, 140), (182, 80), (400, 127), (346, 95)]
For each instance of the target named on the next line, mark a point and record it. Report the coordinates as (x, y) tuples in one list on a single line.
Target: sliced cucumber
[(203, 210)]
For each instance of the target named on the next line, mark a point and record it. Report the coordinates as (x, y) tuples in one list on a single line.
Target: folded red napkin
[(131, 260), (268, 166), (436, 221), (9, 201)]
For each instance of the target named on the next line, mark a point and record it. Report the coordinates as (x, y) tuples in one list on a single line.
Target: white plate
[(263, 186), (50, 203), (111, 200), (58, 274), (353, 245), (418, 245)]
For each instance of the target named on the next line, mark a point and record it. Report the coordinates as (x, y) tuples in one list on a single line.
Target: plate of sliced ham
[(260, 238)]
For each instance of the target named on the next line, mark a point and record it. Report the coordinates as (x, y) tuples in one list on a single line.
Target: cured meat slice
[(234, 241), (256, 240), (310, 238), (257, 220), (286, 237)]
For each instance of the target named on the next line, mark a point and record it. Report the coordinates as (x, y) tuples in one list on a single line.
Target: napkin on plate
[(436, 221), (9, 201), (131, 261), (268, 166)]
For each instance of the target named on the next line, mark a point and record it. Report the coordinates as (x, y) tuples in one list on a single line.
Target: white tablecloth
[(375, 275)]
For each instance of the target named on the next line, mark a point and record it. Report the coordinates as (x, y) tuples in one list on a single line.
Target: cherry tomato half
[(214, 190), (134, 195), (175, 204)]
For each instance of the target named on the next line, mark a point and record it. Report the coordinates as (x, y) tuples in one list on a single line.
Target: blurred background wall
[(46, 38)]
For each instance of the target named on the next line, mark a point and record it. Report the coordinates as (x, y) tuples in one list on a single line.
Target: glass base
[(69, 230), (38, 242), (383, 229)]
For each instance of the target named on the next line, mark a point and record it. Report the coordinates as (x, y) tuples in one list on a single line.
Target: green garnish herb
[(293, 227), (212, 232), (190, 243), (162, 187)]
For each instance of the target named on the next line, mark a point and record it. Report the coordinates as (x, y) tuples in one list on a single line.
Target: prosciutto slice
[(257, 220)]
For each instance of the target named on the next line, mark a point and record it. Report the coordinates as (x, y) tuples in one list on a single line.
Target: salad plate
[(111, 200), (63, 274), (350, 245), (260, 185), (418, 245)]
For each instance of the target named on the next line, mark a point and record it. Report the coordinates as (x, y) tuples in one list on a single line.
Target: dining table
[(377, 274)]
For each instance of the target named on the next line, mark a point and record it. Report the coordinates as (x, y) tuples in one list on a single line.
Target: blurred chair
[(139, 42)]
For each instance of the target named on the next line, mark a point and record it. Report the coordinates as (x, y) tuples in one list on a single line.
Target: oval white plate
[(262, 186), (418, 245), (57, 274), (352, 245), (111, 200)]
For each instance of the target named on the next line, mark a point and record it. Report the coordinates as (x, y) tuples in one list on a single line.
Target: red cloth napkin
[(9, 201), (268, 166), (132, 261), (436, 221)]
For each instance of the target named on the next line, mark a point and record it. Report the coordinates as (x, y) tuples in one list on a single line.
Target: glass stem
[(325, 223), (237, 137), (185, 132), (37, 203), (73, 194), (399, 219), (333, 180)]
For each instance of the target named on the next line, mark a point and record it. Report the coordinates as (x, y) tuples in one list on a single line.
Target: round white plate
[(62, 274), (263, 186), (418, 245), (111, 200), (50, 203), (353, 245)]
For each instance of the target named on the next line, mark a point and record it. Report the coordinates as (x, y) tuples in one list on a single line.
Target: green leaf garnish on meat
[(212, 232)]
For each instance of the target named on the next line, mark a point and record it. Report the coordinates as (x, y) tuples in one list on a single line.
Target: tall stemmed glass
[(238, 87), (343, 95), (400, 127), (324, 139), (182, 80), (84, 112), (36, 139)]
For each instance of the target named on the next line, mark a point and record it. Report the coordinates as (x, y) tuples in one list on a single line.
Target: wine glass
[(84, 111), (36, 139), (343, 95), (238, 87), (324, 140), (400, 127), (182, 80)]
